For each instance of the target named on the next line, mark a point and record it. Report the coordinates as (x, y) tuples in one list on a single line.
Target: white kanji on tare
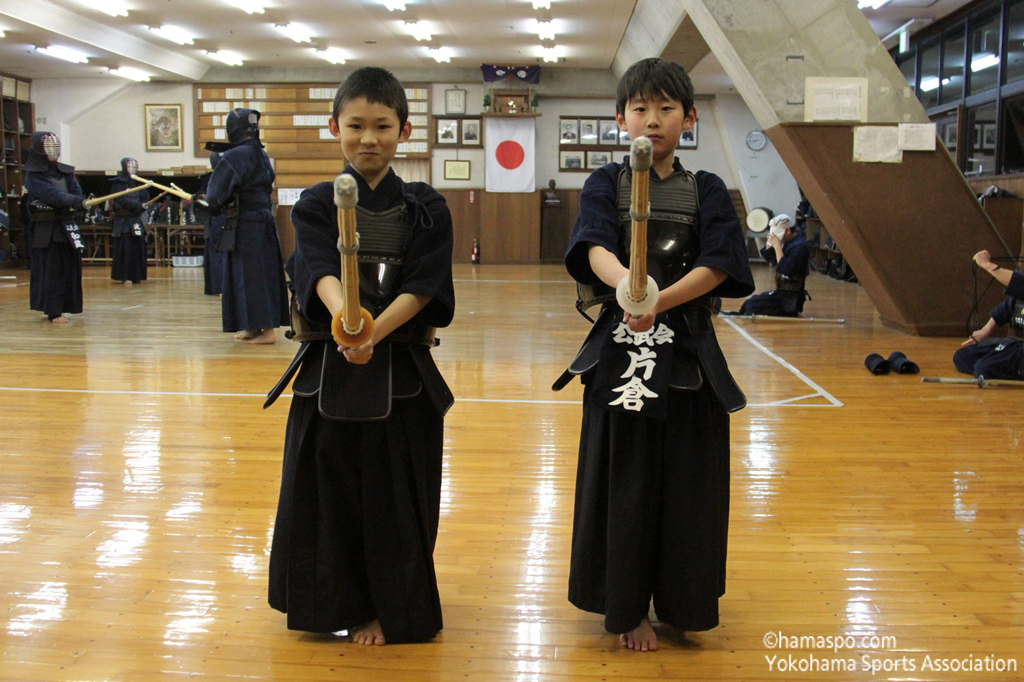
[(633, 392)]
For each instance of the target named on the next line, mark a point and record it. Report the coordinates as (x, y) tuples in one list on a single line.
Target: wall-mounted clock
[(757, 140)]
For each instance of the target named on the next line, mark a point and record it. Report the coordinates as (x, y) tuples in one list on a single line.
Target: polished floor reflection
[(879, 519)]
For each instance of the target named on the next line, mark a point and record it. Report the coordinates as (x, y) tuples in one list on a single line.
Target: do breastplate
[(787, 283), (673, 242), (383, 239), (1017, 319)]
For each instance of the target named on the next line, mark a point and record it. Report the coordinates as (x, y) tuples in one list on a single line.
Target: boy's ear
[(691, 118), (406, 132), (332, 125), (621, 120)]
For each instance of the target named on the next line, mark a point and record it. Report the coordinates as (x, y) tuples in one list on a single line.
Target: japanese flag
[(510, 155)]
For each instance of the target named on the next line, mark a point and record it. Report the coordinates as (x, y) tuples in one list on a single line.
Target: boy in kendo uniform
[(984, 354), (55, 205), (788, 251), (652, 485), (129, 262), (254, 301), (214, 259), (361, 483)]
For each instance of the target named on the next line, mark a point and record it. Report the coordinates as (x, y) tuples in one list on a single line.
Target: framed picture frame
[(454, 101), (447, 131), (570, 160), (949, 136), (688, 140), (455, 169), (607, 131), (624, 137), (569, 131), (471, 132), (588, 131), (988, 136), (977, 136), (597, 159), (164, 128)]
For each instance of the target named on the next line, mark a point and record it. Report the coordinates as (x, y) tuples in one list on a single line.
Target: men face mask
[(51, 147), (131, 166)]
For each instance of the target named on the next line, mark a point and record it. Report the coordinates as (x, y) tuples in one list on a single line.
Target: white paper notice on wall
[(287, 196), (918, 137), (876, 144), (835, 99)]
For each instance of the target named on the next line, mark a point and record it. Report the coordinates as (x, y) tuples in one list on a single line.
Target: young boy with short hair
[(652, 486), (361, 484)]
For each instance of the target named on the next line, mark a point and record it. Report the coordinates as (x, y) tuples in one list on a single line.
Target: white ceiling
[(476, 31)]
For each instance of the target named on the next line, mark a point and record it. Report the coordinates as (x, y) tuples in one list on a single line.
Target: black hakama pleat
[(214, 261), (357, 522), (651, 516), (1000, 358), (129, 262), (254, 295), (55, 280)]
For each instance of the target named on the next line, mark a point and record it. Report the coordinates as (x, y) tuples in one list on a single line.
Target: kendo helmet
[(240, 123), (46, 145), (129, 166)]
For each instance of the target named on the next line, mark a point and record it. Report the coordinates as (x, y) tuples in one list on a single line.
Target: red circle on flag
[(510, 154)]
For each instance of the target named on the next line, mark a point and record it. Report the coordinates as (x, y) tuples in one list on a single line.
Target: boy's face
[(661, 120), (369, 135)]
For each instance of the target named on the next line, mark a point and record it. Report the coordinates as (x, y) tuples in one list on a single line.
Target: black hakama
[(214, 260), (55, 279), (359, 505), (129, 257), (129, 263)]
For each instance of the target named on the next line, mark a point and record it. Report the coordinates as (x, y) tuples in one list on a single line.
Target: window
[(981, 139), (953, 66), (908, 67), (1015, 42), (930, 76), (1013, 134), (985, 53)]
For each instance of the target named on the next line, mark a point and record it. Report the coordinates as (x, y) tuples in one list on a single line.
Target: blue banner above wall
[(529, 74)]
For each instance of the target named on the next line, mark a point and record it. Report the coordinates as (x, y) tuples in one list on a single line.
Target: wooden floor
[(139, 478)]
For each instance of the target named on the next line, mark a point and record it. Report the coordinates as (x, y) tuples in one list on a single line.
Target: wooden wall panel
[(464, 205), (907, 229), (510, 227)]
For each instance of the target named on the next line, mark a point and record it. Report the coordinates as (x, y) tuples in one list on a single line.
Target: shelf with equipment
[(18, 121)]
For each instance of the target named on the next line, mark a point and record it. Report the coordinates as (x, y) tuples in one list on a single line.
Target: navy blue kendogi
[(255, 297), (999, 358), (55, 204), (129, 262)]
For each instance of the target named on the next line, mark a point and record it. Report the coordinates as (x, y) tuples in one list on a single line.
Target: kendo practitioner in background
[(788, 251), (214, 259), (361, 482), (254, 301), (985, 354), (55, 205), (651, 516), (129, 262)]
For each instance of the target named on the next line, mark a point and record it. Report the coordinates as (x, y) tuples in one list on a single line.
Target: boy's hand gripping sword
[(637, 293), (352, 325)]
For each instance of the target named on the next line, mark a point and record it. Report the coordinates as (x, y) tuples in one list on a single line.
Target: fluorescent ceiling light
[(249, 6), (394, 5), (542, 4), (111, 7), (984, 61), (65, 53), (929, 84), (418, 30), (129, 72), (173, 33), (550, 54), (2, 34), (440, 54), (296, 32), (332, 54), (227, 56), (546, 29), (871, 4)]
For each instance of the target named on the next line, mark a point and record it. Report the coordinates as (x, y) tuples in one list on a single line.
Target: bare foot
[(640, 638), (369, 634), (59, 320), (245, 334), (127, 282), (266, 336)]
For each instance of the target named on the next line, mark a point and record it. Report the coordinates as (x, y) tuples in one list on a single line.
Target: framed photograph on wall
[(570, 160), (588, 131), (598, 159), (624, 137), (447, 131), (688, 140), (608, 131), (163, 128), (949, 136), (988, 136), (471, 132), (456, 170), (569, 131)]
